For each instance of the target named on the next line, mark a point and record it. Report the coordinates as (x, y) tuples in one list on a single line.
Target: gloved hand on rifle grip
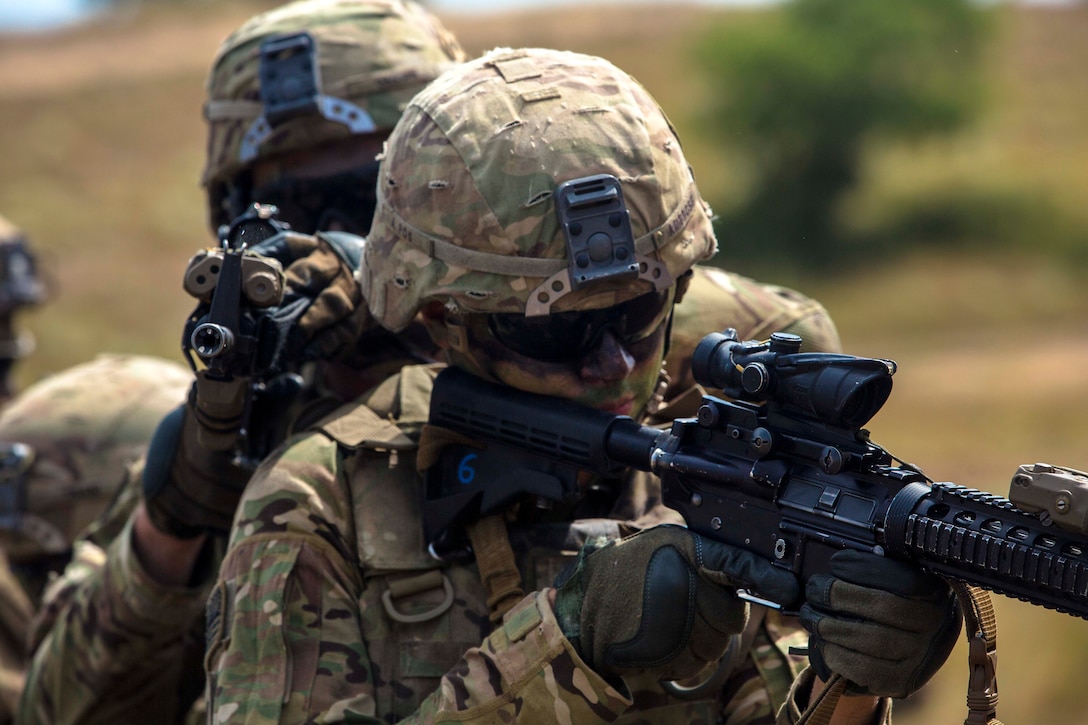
[(322, 268), (884, 625), (190, 488), (660, 602)]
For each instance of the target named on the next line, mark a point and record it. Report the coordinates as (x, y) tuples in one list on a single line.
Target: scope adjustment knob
[(785, 343), (755, 378)]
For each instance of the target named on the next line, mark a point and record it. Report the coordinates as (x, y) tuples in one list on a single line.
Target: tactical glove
[(192, 482), (661, 602), (884, 625), (321, 268)]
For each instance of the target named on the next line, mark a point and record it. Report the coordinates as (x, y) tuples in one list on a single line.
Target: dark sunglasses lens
[(553, 338), (643, 315), (568, 336)]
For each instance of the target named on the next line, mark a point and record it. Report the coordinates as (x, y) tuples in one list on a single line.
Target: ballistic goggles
[(567, 337)]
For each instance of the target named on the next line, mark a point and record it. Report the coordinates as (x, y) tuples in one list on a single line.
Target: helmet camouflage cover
[(372, 57), (466, 210), (67, 439)]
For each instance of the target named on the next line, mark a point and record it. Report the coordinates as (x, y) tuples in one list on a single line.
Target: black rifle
[(235, 340), (783, 469)]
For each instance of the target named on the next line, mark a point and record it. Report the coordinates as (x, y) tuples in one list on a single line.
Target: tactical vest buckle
[(411, 584)]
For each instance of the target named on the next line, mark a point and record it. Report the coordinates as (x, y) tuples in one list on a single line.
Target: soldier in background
[(20, 287), (120, 637), (65, 443), (77, 430)]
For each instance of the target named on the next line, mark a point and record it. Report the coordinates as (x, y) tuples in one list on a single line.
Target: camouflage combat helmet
[(331, 69), (471, 176), (65, 441)]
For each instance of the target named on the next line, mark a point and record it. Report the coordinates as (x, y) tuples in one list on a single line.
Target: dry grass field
[(102, 142)]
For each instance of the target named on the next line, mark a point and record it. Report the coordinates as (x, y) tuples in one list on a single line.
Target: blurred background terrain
[(920, 167)]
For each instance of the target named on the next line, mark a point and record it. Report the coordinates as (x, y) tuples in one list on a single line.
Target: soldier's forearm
[(116, 643), (167, 560)]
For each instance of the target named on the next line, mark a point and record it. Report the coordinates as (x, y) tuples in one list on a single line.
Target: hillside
[(102, 142)]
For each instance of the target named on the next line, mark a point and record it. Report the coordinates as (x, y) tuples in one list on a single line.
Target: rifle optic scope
[(839, 390)]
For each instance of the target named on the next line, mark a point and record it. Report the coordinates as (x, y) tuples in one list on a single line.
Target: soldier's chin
[(623, 408)]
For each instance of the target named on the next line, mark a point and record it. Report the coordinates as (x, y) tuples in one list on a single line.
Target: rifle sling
[(490, 540), (495, 560), (980, 626), (820, 711)]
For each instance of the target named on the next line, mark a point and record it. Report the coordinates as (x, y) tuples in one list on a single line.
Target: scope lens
[(862, 404)]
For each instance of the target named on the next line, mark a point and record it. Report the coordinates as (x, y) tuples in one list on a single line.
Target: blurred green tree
[(799, 90)]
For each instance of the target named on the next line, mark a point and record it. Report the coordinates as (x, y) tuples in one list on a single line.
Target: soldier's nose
[(608, 361)]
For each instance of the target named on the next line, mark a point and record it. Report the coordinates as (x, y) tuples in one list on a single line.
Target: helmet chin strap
[(657, 399)]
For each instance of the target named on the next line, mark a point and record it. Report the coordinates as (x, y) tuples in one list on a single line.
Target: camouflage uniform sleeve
[(118, 642), (15, 613), (525, 671), (287, 639), (88, 555)]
